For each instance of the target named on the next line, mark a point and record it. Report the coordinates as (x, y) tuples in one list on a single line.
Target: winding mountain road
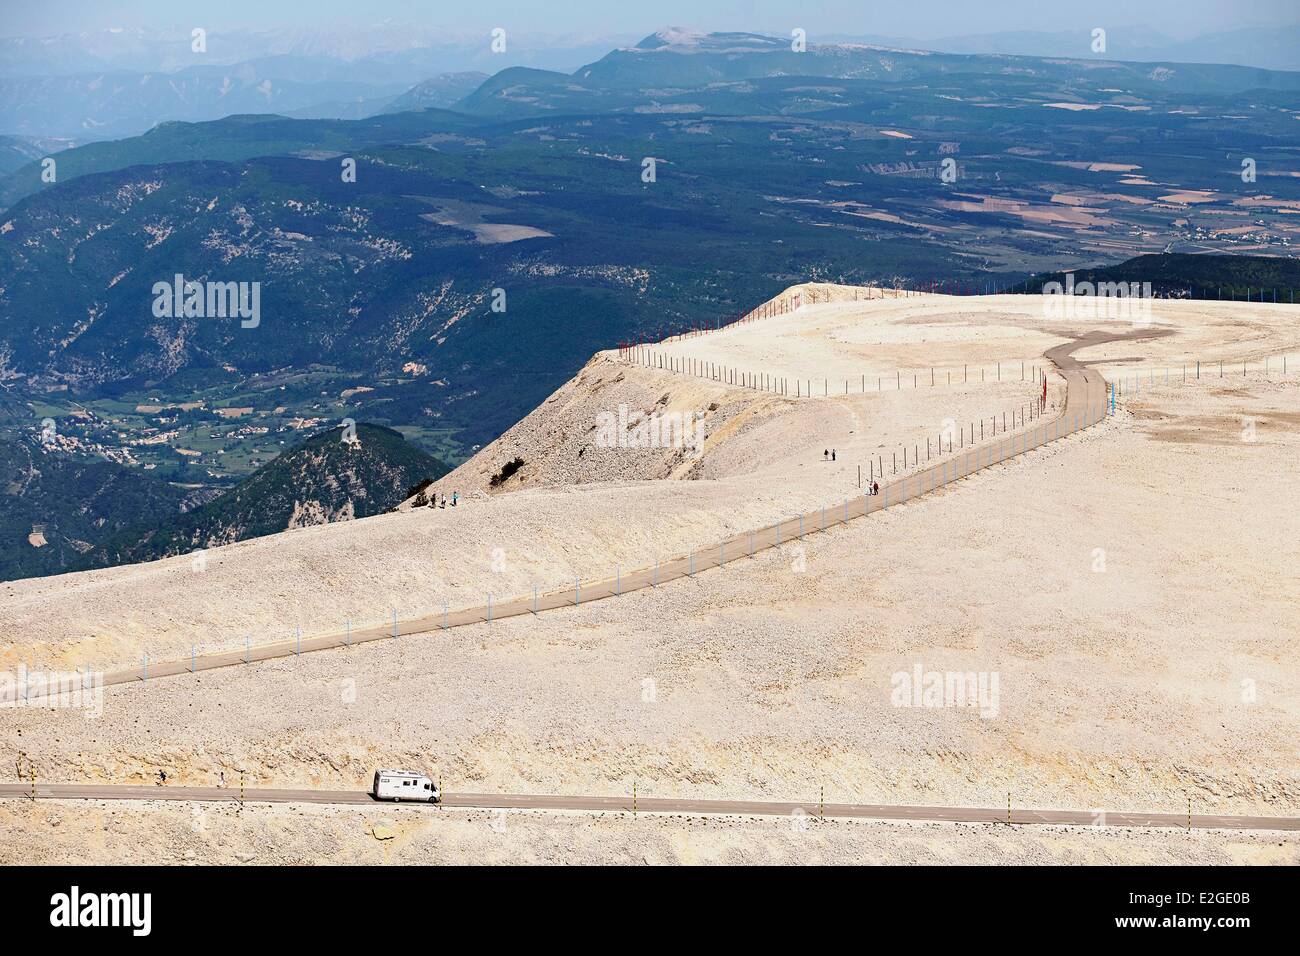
[(1085, 405)]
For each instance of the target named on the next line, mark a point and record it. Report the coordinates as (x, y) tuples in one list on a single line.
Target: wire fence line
[(1086, 405), (957, 439), (647, 356), (1198, 370), (1013, 370), (1098, 403)]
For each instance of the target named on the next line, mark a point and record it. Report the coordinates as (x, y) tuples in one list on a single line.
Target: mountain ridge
[(338, 474)]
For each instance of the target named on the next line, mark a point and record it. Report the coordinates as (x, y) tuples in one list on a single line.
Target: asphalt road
[(624, 804)]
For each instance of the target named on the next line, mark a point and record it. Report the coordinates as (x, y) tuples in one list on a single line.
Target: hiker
[(455, 496), (444, 502), (875, 487), (825, 454), (832, 454)]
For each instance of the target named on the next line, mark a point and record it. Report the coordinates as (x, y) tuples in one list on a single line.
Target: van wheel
[(397, 799)]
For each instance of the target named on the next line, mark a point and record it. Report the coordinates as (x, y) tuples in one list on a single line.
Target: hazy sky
[(924, 19)]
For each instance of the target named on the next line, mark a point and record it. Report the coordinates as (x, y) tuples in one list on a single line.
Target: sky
[(923, 19)]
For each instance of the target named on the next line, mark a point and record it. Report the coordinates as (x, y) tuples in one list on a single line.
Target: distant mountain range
[(106, 85), (106, 105), (439, 92), (18, 151), (231, 139), (387, 50), (1268, 47), (676, 71), (122, 83)]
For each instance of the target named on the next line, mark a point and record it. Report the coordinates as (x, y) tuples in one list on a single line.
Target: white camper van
[(399, 785)]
